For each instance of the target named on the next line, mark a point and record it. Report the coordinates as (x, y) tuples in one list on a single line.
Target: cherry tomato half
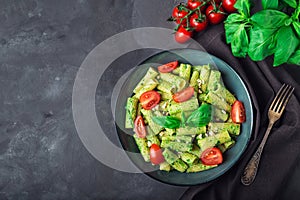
[(238, 112), (183, 95), (156, 156), (168, 67), (215, 16), (211, 156), (179, 13), (193, 4), (139, 127), (149, 99), (198, 24), (182, 35), (228, 5)]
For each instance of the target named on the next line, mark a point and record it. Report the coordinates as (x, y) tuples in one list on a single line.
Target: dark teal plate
[(231, 80)]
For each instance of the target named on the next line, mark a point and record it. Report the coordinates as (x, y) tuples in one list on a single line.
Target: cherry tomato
[(179, 13), (139, 127), (198, 24), (194, 4), (168, 67), (149, 99), (211, 156), (228, 5), (182, 35), (215, 16), (183, 95), (238, 112), (156, 156)]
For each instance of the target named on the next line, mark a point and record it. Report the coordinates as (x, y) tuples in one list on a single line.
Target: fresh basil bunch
[(273, 30)]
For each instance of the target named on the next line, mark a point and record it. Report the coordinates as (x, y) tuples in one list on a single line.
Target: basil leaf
[(286, 44), (240, 42), (270, 18), (167, 121), (232, 24), (296, 26), (235, 17), (201, 116), (261, 43), (243, 7), (230, 30), (295, 58), (291, 3), (272, 4)]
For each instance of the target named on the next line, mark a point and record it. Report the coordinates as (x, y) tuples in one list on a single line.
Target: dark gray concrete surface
[(42, 45)]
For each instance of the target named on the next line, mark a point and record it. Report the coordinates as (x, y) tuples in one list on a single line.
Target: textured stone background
[(42, 45)]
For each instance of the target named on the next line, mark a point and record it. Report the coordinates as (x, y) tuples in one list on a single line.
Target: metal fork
[(274, 113)]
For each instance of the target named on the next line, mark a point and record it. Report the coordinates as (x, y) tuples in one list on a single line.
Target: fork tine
[(282, 98), (285, 99), (277, 97)]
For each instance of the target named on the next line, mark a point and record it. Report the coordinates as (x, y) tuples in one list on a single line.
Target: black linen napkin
[(282, 150)]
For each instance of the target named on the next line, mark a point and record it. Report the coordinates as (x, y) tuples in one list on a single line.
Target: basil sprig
[(198, 118), (271, 31)]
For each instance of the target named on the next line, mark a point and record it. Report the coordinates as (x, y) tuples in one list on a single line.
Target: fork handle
[(252, 166)]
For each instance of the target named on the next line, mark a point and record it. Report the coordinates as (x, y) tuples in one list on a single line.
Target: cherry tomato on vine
[(228, 5), (156, 156), (198, 23), (238, 112), (139, 127), (149, 99), (215, 14), (212, 156), (179, 13), (182, 35), (194, 4)]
